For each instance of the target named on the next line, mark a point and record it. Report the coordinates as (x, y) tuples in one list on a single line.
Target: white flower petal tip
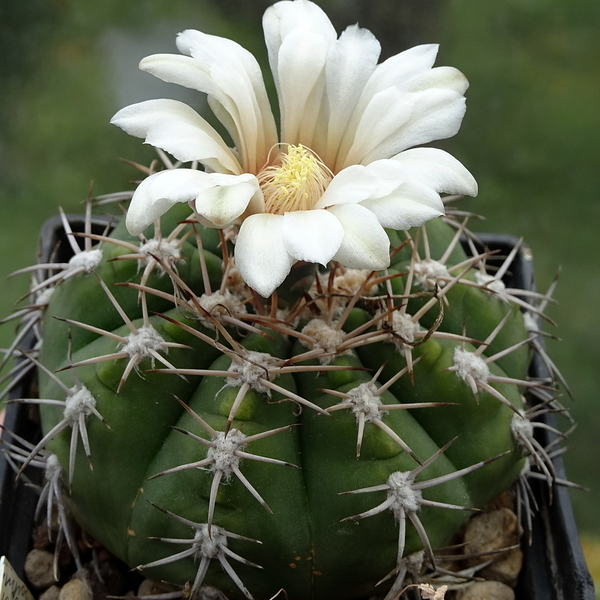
[(260, 253), (312, 235), (155, 196), (438, 170), (365, 244)]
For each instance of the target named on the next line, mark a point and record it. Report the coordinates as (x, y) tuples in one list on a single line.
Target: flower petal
[(312, 235), (438, 170), (260, 253), (365, 244), (231, 76), (409, 119), (238, 76), (400, 69), (441, 77), (437, 115), (351, 61), (178, 129), (157, 193), (298, 35), (394, 73), (182, 70), (387, 112), (283, 18), (350, 186), (227, 198), (410, 205), (301, 64)]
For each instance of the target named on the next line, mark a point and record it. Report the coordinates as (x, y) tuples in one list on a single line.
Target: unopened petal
[(260, 253), (312, 235), (365, 244)]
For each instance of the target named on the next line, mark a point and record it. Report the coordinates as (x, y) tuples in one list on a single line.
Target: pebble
[(52, 593), (38, 568), (41, 537), (76, 589), (505, 568), (491, 531), (150, 588), (505, 499), (485, 590)]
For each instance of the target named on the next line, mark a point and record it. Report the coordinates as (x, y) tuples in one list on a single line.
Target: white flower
[(344, 165)]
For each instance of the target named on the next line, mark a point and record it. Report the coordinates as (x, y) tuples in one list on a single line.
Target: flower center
[(296, 182)]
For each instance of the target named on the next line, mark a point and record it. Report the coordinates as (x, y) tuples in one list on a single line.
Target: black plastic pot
[(17, 500), (554, 567)]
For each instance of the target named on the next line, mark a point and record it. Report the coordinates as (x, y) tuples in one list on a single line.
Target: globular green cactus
[(229, 413), (308, 444)]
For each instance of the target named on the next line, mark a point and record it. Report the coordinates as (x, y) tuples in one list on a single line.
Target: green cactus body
[(301, 516)]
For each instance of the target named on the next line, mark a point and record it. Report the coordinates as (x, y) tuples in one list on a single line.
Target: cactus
[(306, 430)]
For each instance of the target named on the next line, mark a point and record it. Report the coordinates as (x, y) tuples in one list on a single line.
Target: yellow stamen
[(296, 183)]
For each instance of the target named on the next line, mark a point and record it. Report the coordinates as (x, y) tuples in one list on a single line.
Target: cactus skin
[(310, 545)]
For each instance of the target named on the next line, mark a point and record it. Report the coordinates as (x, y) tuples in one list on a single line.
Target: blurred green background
[(531, 136)]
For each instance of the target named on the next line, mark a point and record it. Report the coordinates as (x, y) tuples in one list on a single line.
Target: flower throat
[(295, 183)]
